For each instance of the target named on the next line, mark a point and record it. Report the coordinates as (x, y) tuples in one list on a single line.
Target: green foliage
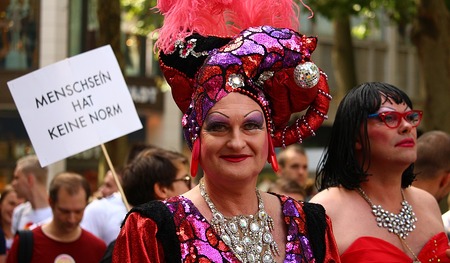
[(140, 14), (332, 9), (399, 11)]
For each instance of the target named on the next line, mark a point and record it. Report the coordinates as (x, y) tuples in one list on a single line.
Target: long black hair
[(339, 165)]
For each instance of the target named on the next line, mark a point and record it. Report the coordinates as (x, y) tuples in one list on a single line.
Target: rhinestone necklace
[(249, 237), (400, 224)]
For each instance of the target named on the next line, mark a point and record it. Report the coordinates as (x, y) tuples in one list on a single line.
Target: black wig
[(339, 165)]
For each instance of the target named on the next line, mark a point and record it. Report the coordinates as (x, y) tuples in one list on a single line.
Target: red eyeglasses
[(392, 119)]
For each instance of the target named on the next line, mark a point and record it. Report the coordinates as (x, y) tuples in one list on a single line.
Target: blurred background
[(405, 43)]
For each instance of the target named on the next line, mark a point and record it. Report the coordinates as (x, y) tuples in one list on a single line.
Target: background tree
[(342, 55), (430, 35), (109, 20), (111, 14)]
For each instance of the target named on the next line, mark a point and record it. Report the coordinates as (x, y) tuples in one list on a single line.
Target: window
[(19, 34)]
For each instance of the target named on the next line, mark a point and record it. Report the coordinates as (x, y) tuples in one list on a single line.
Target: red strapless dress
[(372, 249)]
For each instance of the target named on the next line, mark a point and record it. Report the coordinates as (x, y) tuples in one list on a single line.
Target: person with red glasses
[(365, 181)]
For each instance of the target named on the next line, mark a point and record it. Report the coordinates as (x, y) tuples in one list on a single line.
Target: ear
[(160, 191), (30, 179), (445, 180), (358, 145), (51, 203)]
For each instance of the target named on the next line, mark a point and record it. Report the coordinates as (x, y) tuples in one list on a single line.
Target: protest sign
[(75, 104)]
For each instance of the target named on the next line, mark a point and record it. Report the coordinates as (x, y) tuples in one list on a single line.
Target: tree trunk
[(108, 13), (431, 36), (343, 56)]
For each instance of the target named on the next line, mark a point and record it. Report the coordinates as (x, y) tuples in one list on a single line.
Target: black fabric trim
[(107, 257), (161, 215), (316, 223), (191, 64)]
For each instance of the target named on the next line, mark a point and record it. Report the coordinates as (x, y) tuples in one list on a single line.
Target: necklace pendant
[(249, 237)]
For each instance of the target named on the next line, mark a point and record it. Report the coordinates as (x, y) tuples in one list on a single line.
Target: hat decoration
[(272, 65)]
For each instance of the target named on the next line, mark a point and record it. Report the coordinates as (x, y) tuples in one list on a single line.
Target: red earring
[(272, 157), (195, 156)]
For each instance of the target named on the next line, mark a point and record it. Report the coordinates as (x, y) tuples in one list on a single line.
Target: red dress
[(372, 249)]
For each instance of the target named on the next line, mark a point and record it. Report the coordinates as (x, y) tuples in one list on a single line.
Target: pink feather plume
[(222, 18)]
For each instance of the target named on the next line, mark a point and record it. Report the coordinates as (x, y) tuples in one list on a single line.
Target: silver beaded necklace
[(400, 224), (249, 237)]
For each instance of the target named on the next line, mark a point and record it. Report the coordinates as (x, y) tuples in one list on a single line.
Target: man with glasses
[(154, 174)]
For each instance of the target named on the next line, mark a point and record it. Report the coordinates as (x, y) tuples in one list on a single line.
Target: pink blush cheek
[(378, 136)]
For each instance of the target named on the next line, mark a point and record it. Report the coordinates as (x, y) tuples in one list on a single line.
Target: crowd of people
[(373, 198)]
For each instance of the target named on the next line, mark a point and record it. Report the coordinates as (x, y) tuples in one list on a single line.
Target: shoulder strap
[(25, 246), (316, 223), (160, 213)]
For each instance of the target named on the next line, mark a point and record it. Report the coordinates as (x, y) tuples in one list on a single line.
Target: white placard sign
[(75, 104)]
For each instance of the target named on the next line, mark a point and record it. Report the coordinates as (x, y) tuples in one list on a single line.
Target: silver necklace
[(400, 224), (249, 237)]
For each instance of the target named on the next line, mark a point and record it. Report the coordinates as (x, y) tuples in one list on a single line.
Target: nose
[(236, 140), (405, 126), (72, 218)]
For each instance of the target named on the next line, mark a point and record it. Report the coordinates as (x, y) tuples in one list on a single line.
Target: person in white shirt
[(103, 217), (30, 183)]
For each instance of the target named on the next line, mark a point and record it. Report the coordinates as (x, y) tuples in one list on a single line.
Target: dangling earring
[(272, 157), (195, 156)]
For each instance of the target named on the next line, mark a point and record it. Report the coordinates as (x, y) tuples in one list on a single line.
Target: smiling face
[(9, 202), (392, 144), (233, 137)]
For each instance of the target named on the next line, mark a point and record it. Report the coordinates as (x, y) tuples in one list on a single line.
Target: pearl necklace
[(248, 237), (400, 224)]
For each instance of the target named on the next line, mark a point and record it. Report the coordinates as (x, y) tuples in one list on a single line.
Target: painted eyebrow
[(217, 112), (226, 116), (252, 112)]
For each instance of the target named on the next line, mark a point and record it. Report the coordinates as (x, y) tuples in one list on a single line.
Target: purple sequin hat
[(270, 65)]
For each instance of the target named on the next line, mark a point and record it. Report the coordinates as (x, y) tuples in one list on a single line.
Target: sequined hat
[(271, 65)]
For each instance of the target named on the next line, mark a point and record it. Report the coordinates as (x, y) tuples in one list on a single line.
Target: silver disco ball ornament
[(306, 75)]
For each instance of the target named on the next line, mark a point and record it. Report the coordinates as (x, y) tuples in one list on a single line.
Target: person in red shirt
[(62, 239)]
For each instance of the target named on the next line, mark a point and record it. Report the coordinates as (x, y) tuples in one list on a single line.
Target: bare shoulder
[(332, 199), (419, 193), (423, 200), (328, 196)]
